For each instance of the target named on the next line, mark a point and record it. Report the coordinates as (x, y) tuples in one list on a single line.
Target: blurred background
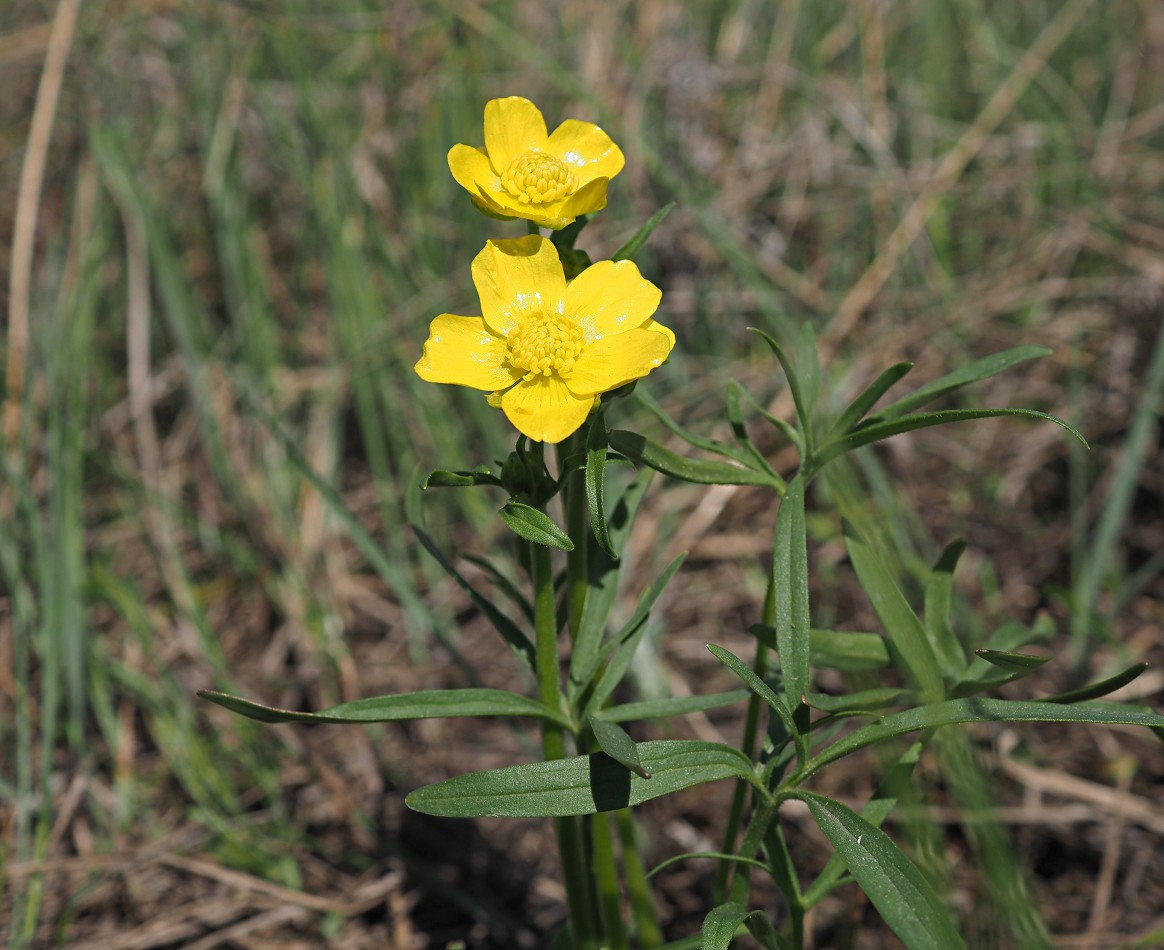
[(225, 227)]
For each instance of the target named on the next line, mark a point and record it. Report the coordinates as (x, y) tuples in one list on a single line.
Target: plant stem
[(638, 887), (748, 747), (578, 560), (606, 874), (571, 847)]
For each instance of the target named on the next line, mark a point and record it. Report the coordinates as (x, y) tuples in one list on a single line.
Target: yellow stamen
[(535, 178), (545, 344)]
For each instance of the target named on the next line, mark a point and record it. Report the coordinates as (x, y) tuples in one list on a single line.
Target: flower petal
[(653, 324), (615, 360), (471, 168), (518, 277), (587, 149), (544, 409), (513, 126), (609, 297), (461, 350)]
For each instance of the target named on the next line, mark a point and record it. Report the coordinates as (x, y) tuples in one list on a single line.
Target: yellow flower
[(524, 173), (544, 349)]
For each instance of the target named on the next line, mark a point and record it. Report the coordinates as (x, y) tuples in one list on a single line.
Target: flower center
[(543, 344), (535, 178)]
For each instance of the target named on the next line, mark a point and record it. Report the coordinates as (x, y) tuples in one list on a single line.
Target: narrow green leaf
[(440, 478), (628, 251), (876, 810), (866, 699), (974, 710), (755, 684), (971, 373), (614, 741), (428, 704), (640, 449), (736, 394), (628, 639), (808, 361), (1021, 663), (596, 481), (1102, 688), (697, 441), (673, 706), (938, 598), (875, 431), (582, 785), (507, 586), (790, 586), (721, 925), (896, 887), (857, 409), (535, 526), (848, 651), (803, 408), (510, 632), (603, 587), (905, 630)]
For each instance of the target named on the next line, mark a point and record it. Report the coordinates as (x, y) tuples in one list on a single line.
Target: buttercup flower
[(544, 349), (524, 173)]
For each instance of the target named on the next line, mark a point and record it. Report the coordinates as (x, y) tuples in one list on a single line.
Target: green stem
[(637, 885), (606, 874), (762, 819), (577, 561), (571, 846), (748, 747)]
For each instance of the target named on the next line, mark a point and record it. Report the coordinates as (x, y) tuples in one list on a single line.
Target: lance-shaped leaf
[(427, 704), (847, 650), (876, 810), (596, 481), (628, 640), (875, 431), (1021, 663), (603, 587), (1101, 688), (800, 397), (614, 741), (974, 710), (865, 700), (973, 372), (714, 446), (582, 785), (535, 526), (440, 478), (939, 595), (755, 684), (857, 409), (628, 251), (896, 887), (671, 706), (722, 925), (902, 625), (790, 588), (640, 449)]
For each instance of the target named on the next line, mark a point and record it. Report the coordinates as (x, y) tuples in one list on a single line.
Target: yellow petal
[(609, 363), (461, 350), (544, 409), (513, 126), (587, 149), (587, 199), (666, 331), (609, 297), (516, 278), (471, 169)]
